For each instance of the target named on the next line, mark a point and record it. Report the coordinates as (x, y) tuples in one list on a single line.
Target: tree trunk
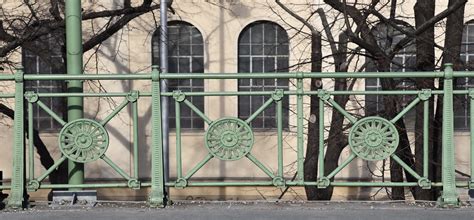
[(425, 61), (312, 148), (391, 106), (336, 142)]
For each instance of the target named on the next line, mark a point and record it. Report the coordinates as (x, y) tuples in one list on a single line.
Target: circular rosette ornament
[(373, 138), (83, 140), (229, 139)]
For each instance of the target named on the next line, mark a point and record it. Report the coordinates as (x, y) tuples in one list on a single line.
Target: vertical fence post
[(16, 199), (300, 126), (157, 195), (449, 196)]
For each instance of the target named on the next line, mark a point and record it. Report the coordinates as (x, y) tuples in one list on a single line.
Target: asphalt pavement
[(197, 210)]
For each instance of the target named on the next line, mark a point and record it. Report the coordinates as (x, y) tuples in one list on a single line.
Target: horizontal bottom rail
[(258, 183), (2, 187), (291, 183), (92, 185)]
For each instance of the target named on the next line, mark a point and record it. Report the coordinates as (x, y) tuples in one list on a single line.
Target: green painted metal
[(299, 130), (302, 75), (157, 194), (260, 165), (7, 96), (198, 166), (83, 140), (406, 110), (342, 166), (373, 138), (115, 167), (51, 113), (179, 161), (75, 105), (277, 97), (3, 187), (259, 110), (297, 75), (321, 140), (405, 166), (426, 133), (133, 97), (449, 196), (197, 111), (229, 138), (31, 149), (51, 169), (326, 97), (115, 112), (16, 198)]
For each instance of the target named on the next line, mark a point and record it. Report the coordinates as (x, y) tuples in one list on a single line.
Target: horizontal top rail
[(296, 75), (302, 75)]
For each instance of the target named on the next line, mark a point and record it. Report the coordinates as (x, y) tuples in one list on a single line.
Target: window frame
[(196, 123), (51, 44), (461, 112), (267, 51)]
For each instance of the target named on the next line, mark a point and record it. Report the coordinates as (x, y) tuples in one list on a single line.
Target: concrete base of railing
[(74, 198)]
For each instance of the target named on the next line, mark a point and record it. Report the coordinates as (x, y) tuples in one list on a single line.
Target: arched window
[(186, 55), (263, 48), (467, 46), (403, 61), (461, 111), (44, 56)]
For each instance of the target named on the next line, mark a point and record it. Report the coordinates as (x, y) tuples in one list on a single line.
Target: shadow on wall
[(2, 195), (2, 198)]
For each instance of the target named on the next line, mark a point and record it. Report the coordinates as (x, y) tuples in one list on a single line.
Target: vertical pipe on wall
[(471, 103), (164, 83), (74, 67)]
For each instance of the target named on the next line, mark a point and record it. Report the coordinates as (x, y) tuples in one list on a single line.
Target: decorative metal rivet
[(229, 138), (134, 184), (31, 96), (277, 95), (179, 96), (181, 183), (323, 182), (424, 94), (373, 138), (133, 96), (424, 183), (83, 140), (33, 185), (323, 95), (278, 181)]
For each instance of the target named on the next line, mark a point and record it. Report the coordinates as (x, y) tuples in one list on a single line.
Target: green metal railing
[(230, 138)]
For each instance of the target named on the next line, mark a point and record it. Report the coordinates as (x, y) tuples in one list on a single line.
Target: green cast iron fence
[(371, 138)]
